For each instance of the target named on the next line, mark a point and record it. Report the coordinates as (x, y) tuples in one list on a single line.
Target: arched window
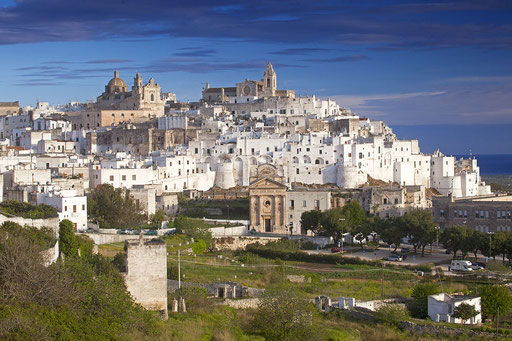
[(152, 97), (268, 82)]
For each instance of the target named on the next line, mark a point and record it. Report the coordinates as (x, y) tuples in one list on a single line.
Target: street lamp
[(342, 220), (490, 244)]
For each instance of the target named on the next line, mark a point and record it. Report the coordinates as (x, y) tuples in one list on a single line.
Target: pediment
[(266, 183)]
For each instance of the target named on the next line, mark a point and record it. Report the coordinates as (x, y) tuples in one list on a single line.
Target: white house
[(441, 307), (69, 205)]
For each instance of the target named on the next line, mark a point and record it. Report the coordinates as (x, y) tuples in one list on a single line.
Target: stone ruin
[(146, 273)]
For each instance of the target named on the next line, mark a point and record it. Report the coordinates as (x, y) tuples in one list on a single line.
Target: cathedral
[(267, 87)]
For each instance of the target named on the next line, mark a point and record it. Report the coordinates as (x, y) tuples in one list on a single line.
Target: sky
[(409, 63)]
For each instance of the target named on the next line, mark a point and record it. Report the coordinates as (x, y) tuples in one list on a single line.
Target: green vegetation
[(466, 240), (465, 311), (496, 299), (193, 228), (114, 208), (26, 210), (420, 293), (417, 226), (215, 209), (284, 313), (83, 298)]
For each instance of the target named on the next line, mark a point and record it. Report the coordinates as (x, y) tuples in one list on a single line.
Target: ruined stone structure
[(134, 141), (267, 195), (146, 273)]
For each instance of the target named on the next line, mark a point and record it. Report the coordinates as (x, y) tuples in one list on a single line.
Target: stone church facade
[(267, 195)]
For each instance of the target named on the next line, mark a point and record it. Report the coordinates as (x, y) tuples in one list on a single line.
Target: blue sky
[(405, 62)]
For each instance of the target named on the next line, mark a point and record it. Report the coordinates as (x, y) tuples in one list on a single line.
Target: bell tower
[(137, 82), (269, 81)]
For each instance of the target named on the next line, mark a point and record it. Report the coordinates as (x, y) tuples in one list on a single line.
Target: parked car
[(335, 250), (125, 231), (405, 250), (394, 258), (460, 265), (480, 264), (151, 233)]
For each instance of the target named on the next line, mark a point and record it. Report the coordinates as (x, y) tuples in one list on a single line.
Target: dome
[(116, 84), (116, 81)]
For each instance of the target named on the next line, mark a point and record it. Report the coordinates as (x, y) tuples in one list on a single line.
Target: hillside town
[(279, 188)]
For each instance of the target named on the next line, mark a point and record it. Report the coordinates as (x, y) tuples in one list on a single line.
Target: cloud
[(195, 52), (340, 59), (469, 104), (419, 25), (108, 61)]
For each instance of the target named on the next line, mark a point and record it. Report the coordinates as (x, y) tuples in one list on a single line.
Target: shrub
[(199, 247), (391, 314), (26, 210), (195, 298), (420, 293)]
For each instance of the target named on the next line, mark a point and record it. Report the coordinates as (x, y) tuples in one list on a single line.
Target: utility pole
[(342, 220), (382, 283), (179, 270), (497, 321)]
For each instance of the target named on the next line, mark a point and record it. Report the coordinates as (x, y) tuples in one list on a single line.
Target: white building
[(69, 205), (441, 307)]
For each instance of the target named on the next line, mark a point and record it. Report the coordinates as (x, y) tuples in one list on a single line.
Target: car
[(125, 231), (480, 264), (394, 258), (151, 233), (335, 250), (405, 250)]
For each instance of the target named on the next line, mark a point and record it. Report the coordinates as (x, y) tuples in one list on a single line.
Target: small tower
[(137, 81), (269, 81)]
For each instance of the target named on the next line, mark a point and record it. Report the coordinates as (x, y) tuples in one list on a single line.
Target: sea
[(493, 164)]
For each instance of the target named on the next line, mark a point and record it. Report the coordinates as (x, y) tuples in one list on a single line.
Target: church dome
[(116, 84), (116, 81)]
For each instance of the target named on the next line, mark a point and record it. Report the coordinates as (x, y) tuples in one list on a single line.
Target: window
[(74, 208), (317, 204), (441, 213), (196, 150), (111, 178), (65, 208), (385, 201), (292, 204), (134, 177), (396, 201), (297, 170), (83, 207), (304, 204), (123, 177)]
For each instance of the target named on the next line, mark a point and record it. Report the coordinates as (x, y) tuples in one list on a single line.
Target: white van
[(460, 265)]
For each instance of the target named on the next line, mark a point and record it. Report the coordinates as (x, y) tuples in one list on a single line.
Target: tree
[(68, 243), (199, 247), (458, 238), (114, 208), (493, 297), (362, 231), (352, 216), (194, 228), (420, 228), (390, 230), (420, 293), (158, 218), (284, 313), (310, 220), (465, 311)]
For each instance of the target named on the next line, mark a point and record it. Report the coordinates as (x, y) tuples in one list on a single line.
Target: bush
[(199, 247), (172, 271), (26, 210), (391, 314), (195, 298), (420, 293)]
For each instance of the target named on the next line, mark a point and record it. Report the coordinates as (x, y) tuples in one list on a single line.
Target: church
[(265, 88), (117, 104)]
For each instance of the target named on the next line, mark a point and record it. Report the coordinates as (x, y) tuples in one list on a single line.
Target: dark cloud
[(108, 61), (300, 51), (340, 59), (195, 52), (401, 25)]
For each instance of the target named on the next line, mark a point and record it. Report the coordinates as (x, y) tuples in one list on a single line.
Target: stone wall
[(146, 273), (242, 304), (240, 243), (107, 238), (52, 223), (51, 255)]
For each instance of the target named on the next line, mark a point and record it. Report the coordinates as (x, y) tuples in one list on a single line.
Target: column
[(258, 214), (277, 214), (252, 210)]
